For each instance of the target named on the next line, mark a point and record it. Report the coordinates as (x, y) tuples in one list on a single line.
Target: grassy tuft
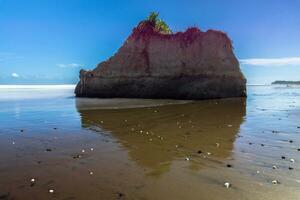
[(158, 23)]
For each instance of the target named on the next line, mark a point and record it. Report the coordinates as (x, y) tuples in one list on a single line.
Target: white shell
[(227, 185)]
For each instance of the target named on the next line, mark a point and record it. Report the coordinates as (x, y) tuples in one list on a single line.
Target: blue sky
[(49, 41)]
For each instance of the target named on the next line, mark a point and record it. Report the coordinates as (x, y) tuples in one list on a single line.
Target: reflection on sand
[(202, 132), (60, 146)]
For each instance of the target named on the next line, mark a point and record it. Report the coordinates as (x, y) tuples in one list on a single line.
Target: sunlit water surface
[(148, 149)]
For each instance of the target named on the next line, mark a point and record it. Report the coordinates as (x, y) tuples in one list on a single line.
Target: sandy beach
[(54, 146)]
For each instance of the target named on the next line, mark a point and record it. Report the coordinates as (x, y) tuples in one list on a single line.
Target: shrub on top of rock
[(158, 24)]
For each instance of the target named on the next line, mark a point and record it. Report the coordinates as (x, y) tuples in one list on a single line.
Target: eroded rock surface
[(150, 64)]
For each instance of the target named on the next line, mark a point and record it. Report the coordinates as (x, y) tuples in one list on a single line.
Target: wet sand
[(149, 149)]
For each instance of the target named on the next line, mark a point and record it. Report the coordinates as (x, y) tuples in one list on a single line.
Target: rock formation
[(156, 64)]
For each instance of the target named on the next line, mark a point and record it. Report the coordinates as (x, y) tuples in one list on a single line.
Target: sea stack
[(156, 63)]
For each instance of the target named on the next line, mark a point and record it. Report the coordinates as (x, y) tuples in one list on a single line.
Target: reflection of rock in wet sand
[(156, 136)]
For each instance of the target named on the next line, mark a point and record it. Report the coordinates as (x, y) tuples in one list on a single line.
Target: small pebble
[(262, 145), (208, 153), (199, 152), (291, 141), (250, 143), (48, 149), (91, 173), (120, 194), (283, 157), (82, 150), (229, 165), (217, 144), (291, 168), (51, 191), (13, 143), (76, 156), (229, 125), (32, 182), (227, 185), (298, 149), (257, 172), (22, 130), (92, 149)]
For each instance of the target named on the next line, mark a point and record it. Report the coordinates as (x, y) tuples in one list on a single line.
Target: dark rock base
[(162, 88)]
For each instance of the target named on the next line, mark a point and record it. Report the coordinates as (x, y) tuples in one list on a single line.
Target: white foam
[(23, 92), (37, 86)]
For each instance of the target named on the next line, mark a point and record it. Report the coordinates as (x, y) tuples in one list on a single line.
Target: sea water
[(149, 149)]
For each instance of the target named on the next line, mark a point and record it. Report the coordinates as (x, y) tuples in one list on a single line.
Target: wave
[(37, 86)]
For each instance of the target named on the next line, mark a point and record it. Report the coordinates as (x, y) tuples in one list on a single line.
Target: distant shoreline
[(72, 86), (286, 83)]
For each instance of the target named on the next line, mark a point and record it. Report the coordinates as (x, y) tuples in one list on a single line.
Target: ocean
[(56, 146)]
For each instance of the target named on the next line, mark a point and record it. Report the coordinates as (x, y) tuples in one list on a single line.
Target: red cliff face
[(186, 65)]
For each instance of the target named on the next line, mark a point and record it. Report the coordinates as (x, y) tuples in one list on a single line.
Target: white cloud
[(70, 65), (15, 75), (271, 61)]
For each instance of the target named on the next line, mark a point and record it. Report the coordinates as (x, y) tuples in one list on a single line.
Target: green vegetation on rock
[(158, 23)]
